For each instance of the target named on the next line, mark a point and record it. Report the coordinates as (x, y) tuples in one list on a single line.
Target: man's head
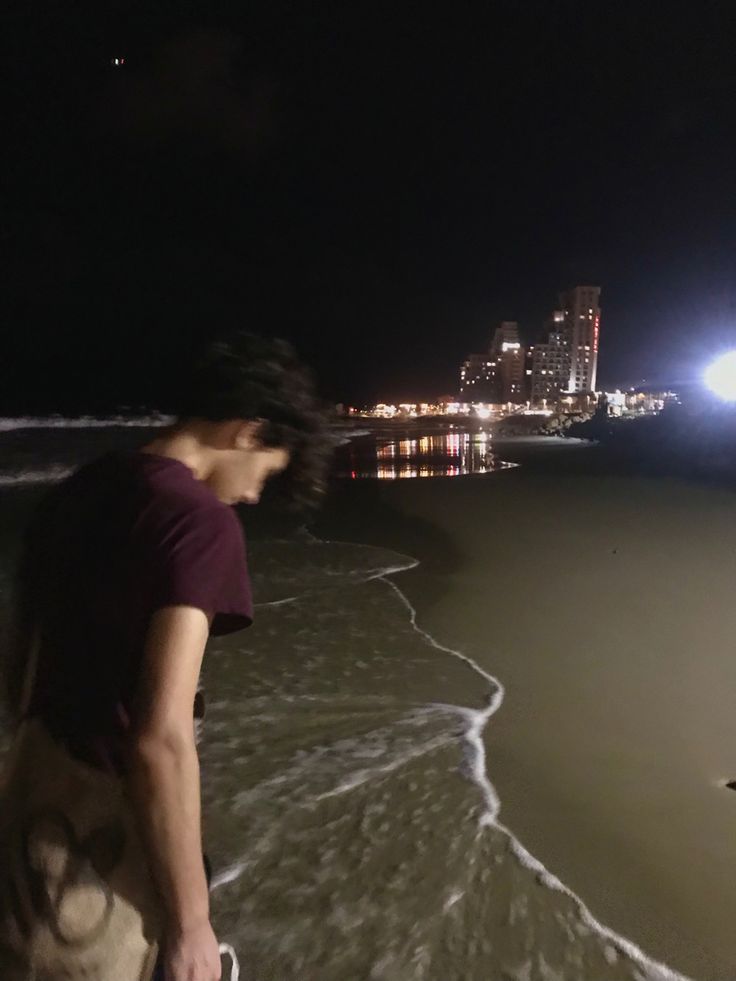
[(253, 403), (230, 457)]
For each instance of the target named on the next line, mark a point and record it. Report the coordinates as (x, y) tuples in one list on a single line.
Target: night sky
[(379, 183)]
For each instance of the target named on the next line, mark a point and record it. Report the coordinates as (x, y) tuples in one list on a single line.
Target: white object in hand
[(235, 965)]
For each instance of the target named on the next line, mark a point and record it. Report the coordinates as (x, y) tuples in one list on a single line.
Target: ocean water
[(350, 810)]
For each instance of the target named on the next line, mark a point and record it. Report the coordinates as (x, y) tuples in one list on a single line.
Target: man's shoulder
[(157, 495), (171, 497)]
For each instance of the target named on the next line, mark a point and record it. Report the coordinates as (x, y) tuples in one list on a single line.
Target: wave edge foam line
[(473, 737)]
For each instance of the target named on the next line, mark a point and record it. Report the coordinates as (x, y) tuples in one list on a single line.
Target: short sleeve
[(201, 562)]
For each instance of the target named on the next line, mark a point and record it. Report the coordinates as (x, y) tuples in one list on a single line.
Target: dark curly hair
[(244, 376)]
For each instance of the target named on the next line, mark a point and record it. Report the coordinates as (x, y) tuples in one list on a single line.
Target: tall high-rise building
[(507, 352), (497, 375), (582, 313), (550, 368)]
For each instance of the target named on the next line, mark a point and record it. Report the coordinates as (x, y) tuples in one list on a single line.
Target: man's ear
[(245, 436)]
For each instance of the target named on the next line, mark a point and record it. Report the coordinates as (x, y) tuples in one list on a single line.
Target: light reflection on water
[(438, 455)]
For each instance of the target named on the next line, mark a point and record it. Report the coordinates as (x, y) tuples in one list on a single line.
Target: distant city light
[(117, 61), (720, 377)]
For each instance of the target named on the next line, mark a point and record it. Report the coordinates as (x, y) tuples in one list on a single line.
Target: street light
[(720, 377)]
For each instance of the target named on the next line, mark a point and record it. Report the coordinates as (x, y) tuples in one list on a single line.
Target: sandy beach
[(605, 606)]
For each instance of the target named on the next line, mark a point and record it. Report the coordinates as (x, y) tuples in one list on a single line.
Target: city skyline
[(564, 359)]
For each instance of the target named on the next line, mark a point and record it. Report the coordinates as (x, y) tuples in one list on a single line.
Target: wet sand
[(605, 605)]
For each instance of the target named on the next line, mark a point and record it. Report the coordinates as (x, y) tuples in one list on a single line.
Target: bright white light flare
[(720, 377)]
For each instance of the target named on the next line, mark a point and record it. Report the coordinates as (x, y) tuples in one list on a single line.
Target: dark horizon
[(379, 187)]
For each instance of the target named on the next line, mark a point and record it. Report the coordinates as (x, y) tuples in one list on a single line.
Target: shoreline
[(475, 737), (588, 751)]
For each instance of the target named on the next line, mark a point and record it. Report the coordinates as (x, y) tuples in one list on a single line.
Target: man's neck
[(185, 447)]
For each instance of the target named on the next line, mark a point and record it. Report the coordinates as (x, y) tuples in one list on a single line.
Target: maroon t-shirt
[(122, 537)]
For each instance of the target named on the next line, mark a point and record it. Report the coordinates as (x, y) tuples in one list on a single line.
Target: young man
[(128, 566)]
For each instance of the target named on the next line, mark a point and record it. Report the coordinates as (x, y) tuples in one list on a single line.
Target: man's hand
[(192, 955)]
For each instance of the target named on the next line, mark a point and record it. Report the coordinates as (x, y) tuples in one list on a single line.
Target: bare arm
[(164, 781)]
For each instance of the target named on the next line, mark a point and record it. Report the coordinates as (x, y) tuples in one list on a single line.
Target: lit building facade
[(582, 320), (550, 363), (496, 376), (508, 354), (479, 379), (528, 372)]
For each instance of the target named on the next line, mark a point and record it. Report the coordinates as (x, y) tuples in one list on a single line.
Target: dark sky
[(379, 183)]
